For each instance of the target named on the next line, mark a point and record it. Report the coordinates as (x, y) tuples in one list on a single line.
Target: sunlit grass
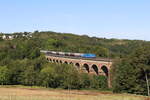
[(38, 93)]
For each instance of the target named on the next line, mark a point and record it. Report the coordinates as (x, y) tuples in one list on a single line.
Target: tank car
[(53, 52), (61, 53), (78, 54)]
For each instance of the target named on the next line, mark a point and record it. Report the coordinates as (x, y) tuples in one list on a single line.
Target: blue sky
[(125, 19)]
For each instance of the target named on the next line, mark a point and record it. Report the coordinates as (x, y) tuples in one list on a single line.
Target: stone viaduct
[(91, 66)]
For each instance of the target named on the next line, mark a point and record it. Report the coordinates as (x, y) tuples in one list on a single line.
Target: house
[(13, 36), (7, 37), (4, 37)]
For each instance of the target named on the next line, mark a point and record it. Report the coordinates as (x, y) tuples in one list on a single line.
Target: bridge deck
[(73, 57)]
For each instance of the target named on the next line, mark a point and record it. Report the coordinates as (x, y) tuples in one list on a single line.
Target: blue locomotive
[(88, 55)]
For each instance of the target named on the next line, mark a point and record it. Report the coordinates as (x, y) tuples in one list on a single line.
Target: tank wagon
[(83, 55)]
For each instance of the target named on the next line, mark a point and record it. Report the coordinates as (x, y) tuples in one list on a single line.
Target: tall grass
[(27, 93), (12, 97)]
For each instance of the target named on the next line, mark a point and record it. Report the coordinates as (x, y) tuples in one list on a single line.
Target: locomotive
[(83, 55)]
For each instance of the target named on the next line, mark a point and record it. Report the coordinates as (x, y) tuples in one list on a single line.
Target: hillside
[(75, 43)]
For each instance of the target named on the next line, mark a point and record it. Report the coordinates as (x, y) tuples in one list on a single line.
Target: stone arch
[(86, 68), (65, 62), (47, 59), (53, 60), (57, 61), (105, 70), (95, 68), (77, 65), (60, 61), (71, 63)]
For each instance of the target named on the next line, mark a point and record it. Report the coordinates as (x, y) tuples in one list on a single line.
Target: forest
[(21, 62)]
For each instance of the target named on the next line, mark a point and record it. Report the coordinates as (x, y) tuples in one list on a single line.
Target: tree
[(35, 53), (101, 51), (4, 75), (47, 76), (132, 74), (29, 76), (72, 79)]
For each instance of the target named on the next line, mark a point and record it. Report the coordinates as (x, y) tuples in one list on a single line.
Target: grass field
[(28, 93)]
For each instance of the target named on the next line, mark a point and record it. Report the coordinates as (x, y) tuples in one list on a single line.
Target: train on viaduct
[(89, 64)]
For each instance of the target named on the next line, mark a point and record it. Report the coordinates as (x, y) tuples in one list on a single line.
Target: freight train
[(83, 55)]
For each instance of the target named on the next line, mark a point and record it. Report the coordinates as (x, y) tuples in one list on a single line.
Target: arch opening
[(60, 61), (105, 70), (77, 65), (47, 59), (86, 68), (95, 68), (71, 63), (57, 61), (66, 62)]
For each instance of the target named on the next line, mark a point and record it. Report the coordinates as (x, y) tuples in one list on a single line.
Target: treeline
[(132, 73), (22, 63), (50, 75)]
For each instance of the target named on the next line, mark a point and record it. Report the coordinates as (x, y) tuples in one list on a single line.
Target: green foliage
[(68, 77), (93, 81), (71, 77), (73, 43), (28, 77), (101, 82), (101, 51), (129, 73), (47, 76), (4, 75)]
